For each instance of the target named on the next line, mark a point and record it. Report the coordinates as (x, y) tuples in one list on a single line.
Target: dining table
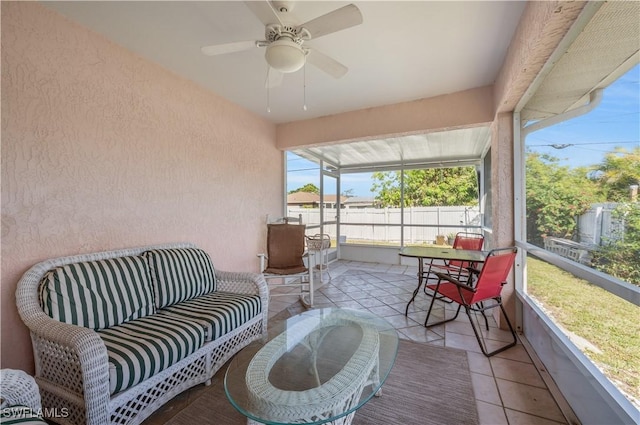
[(427, 255)]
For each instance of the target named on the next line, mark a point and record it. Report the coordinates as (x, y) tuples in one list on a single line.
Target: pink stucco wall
[(542, 26), (456, 110), (103, 150)]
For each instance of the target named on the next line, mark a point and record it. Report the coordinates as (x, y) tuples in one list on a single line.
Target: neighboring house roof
[(360, 200), (303, 198), (306, 198), (333, 199)]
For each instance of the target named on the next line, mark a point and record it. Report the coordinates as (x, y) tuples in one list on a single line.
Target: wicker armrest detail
[(242, 283)]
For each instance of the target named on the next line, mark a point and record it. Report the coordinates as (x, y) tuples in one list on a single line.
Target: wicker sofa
[(117, 334)]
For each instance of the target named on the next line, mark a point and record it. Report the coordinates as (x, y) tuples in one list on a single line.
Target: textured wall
[(542, 26), (503, 211), (102, 150), (462, 109)]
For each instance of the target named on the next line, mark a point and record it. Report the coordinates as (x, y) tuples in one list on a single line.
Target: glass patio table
[(319, 367)]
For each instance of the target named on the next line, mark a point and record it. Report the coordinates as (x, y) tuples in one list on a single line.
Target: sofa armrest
[(67, 357), (72, 359), (242, 283), (246, 283)]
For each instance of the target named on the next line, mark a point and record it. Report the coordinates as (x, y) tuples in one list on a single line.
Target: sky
[(614, 123), (582, 141)]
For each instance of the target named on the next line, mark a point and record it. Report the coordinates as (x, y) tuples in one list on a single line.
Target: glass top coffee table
[(320, 367)]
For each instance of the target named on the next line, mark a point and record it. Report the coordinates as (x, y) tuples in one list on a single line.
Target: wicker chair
[(19, 398)]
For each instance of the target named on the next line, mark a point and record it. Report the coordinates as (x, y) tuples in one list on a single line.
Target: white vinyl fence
[(598, 224), (421, 224)]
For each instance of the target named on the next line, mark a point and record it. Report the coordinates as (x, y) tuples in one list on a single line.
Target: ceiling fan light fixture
[(285, 56)]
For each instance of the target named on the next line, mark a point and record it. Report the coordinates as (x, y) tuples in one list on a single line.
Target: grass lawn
[(607, 327)]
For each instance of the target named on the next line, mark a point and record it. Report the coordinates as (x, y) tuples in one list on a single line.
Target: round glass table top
[(316, 367)]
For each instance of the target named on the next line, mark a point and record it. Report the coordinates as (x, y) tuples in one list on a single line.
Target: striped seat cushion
[(144, 347), (180, 274), (98, 294), (218, 313)]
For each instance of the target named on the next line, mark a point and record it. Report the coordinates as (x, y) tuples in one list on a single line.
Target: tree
[(619, 170), (427, 187), (309, 187), (556, 197)]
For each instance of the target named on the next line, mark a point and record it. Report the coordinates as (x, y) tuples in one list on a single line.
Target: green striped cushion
[(22, 415), (218, 313), (180, 274), (141, 348), (98, 294)]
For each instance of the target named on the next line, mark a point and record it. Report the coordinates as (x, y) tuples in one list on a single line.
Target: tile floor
[(508, 387)]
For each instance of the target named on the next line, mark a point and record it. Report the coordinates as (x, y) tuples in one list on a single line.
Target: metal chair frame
[(459, 268), (487, 286)]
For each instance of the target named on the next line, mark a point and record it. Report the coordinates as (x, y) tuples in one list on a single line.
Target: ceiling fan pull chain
[(268, 90), (304, 87)]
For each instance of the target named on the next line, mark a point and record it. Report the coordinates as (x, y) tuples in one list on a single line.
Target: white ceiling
[(403, 51)]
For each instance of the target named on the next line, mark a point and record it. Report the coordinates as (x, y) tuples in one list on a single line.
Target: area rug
[(428, 385)]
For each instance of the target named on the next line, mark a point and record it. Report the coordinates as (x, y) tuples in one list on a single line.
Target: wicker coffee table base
[(340, 394)]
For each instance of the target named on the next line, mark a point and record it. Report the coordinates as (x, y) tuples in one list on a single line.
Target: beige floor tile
[(497, 334), (485, 389), (400, 321), (360, 295), (520, 418), (479, 363), (338, 296), (370, 302), (516, 353), (383, 310), (421, 334), (463, 342), (348, 304), (462, 328), (512, 370), (491, 414), (528, 399)]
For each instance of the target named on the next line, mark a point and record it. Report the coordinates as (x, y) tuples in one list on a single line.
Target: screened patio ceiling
[(604, 46), (450, 148)]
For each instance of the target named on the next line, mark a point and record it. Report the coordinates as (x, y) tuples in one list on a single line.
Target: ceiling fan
[(285, 38)]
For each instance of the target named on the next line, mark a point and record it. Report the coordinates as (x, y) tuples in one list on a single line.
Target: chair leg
[(308, 303), (426, 320), (478, 335), (486, 321)]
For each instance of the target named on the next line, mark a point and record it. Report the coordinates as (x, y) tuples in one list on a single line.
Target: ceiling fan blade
[(264, 11), (274, 78), (340, 19), (221, 49), (326, 63)]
